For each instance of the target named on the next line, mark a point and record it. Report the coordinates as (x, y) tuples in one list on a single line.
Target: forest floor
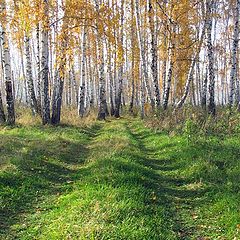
[(117, 180)]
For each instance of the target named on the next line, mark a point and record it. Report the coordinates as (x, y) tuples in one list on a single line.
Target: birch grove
[(115, 57)]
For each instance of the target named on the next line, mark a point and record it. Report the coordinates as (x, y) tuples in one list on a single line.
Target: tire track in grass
[(179, 194)]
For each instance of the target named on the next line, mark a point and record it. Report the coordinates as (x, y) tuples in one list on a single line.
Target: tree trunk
[(132, 83), (233, 74), (57, 99), (102, 83), (69, 88), (24, 75), (38, 71), (31, 92), (169, 80), (7, 72), (2, 114), (171, 66), (45, 70), (74, 82), (154, 64), (204, 91), (60, 74), (142, 90), (112, 110), (133, 62), (120, 73), (211, 74), (91, 84), (82, 89), (143, 54)]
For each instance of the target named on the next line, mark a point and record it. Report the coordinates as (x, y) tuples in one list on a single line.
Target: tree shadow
[(47, 168), (39, 169), (174, 190)]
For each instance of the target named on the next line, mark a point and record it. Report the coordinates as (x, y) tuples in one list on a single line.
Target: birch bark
[(154, 63), (82, 89), (45, 68), (10, 118), (233, 74), (211, 73), (29, 75), (2, 114), (143, 54), (120, 73), (102, 82)]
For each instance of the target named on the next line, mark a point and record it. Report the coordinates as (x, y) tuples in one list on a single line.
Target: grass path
[(116, 180)]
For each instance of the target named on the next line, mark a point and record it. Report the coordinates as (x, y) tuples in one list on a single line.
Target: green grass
[(117, 180)]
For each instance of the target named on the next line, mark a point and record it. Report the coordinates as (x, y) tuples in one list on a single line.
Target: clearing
[(117, 180)]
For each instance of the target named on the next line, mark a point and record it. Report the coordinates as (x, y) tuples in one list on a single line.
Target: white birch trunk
[(143, 53), (30, 85), (45, 69), (154, 63), (120, 72), (233, 74), (82, 88), (7, 70), (211, 73), (102, 82)]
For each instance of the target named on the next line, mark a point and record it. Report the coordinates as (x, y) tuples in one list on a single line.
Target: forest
[(120, 119)]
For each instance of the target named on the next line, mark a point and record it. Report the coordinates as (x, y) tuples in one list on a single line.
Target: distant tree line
[(107, 54)]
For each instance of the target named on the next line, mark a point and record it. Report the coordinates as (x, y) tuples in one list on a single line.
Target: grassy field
[(117, 180)]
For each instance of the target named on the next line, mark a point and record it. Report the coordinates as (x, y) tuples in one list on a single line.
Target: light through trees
[(112, 55)]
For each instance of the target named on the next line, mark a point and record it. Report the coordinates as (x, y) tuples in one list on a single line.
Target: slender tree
[(154, 63), (45, 66), (143, 53), (211, 74), (30, 84), (102, 81), (233, 74), (120, 73), (82, 89), (7, 67)]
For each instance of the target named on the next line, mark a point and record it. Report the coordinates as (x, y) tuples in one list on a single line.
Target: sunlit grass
[(117, 180)]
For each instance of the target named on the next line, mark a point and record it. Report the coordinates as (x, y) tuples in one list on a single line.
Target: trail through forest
[(114, 180)]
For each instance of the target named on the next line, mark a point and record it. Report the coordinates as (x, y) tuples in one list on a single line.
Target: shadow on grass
[(171, 188), (152, 183), (39, 168)]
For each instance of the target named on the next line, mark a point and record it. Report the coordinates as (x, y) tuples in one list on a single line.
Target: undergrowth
[(195, 123)]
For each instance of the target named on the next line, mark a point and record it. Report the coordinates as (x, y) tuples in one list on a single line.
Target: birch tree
[(143, 53), (234, 65), (154, 63), (102, 81), (120, 74), (61, 63), (82, 89), (10, 118), (45, 66), (211, 73), (30, 85)]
